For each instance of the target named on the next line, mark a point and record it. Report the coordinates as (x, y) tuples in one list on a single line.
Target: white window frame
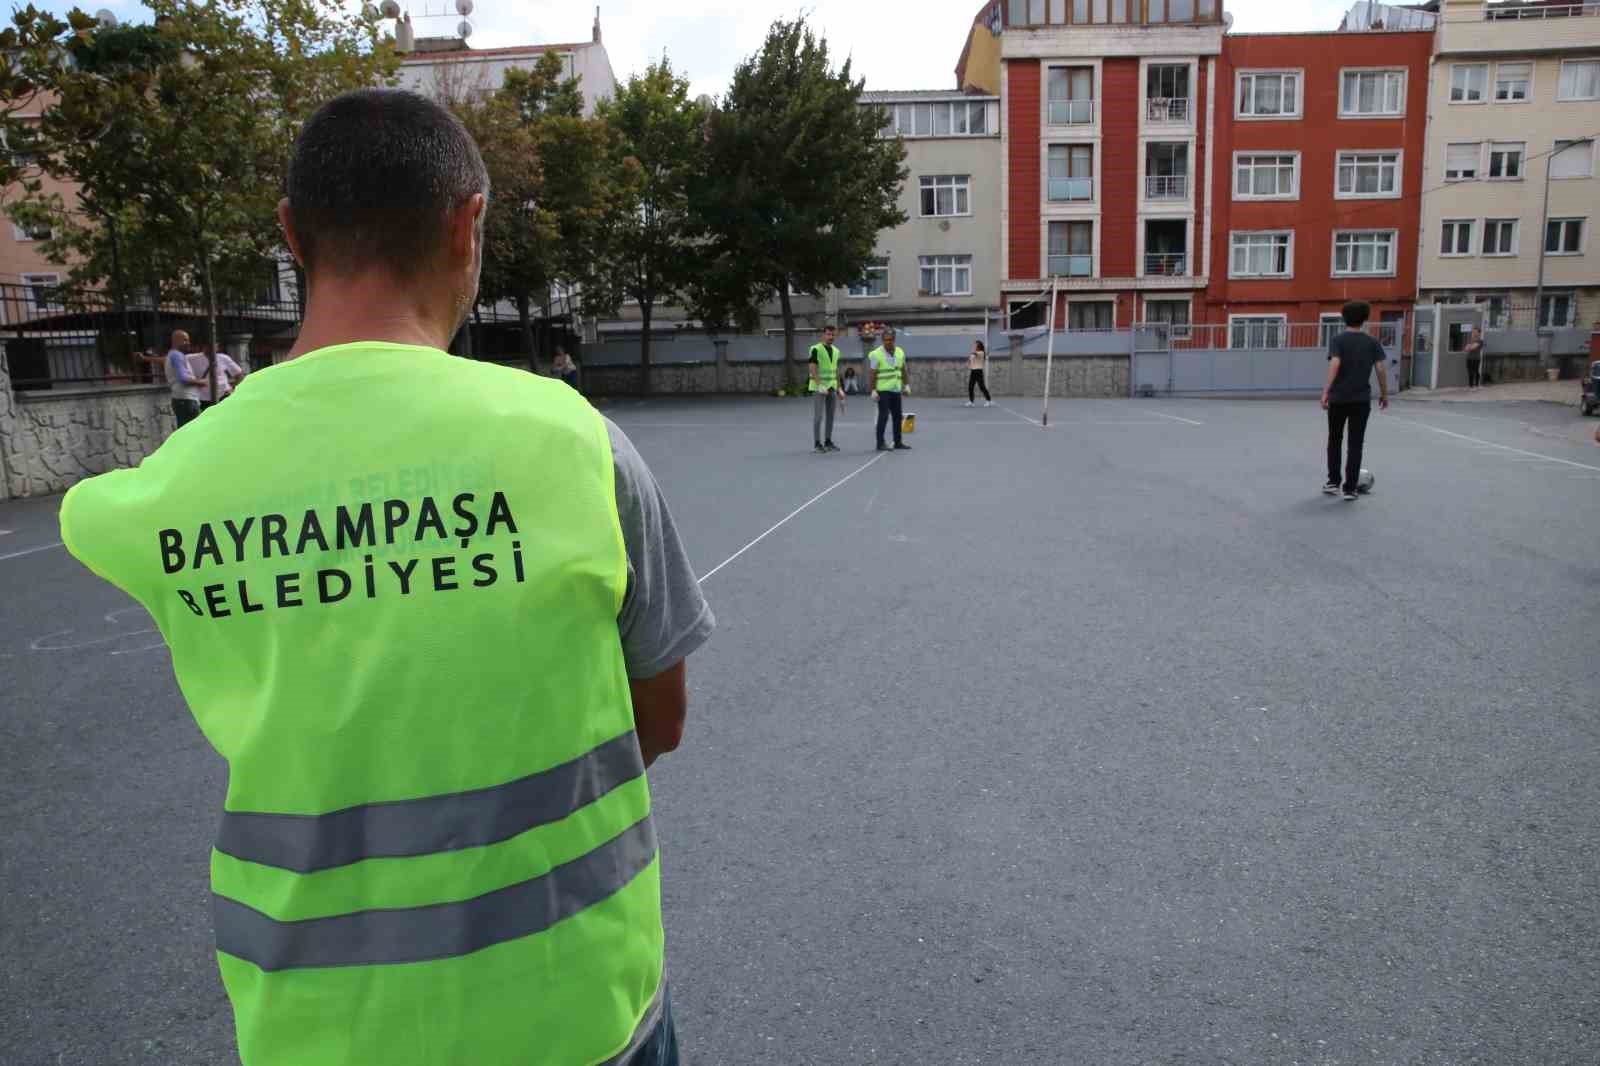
[(1399, 173), (1571, 154), (1294, 177), (1478, 167), (888, 279), (1357, 71), (1454, 225), (1583, 235), (1572, 310), (1094, 167), (1174, 329), (1095, 301), (955, 266), (1093, 121), (1288, 257), (1450, 97), (1283, 330), (42, 307), (967, 107), (956, 183), (1394, 255), (20, 234), (1527, 96), (1094, 245), (1298, 74), (1491, 320), (1497, 223), (1520, 147), (1562, 77)]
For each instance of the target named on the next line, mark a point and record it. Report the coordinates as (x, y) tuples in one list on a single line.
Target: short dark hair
[(980, 347), (374, 178), (1356, 313)]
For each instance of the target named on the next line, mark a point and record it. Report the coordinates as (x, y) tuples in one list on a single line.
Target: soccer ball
[(1365, 482)]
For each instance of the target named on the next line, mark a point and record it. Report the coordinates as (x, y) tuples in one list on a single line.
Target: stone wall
[(53, 438)]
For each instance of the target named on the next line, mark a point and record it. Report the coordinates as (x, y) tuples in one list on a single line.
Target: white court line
[(6, 532), (30, 551), (1498, 447), (1175, 418), (791, 514), (1020, 415)]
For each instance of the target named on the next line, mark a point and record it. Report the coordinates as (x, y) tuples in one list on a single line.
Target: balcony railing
[(1071, 266), (1166, 186), (1070, 190), (1517, 12), (1071, 112), (1166, 265), (1167, 109)]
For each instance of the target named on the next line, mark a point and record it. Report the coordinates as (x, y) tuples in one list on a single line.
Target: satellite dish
[(463, 8), (369, 12), (464, 29), (390, 9), (1227, 21), (106, 18)]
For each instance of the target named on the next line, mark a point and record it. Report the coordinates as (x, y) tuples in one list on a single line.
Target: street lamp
[(1542, 331)]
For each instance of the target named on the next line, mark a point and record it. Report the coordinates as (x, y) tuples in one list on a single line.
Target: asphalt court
[(1112, 742)]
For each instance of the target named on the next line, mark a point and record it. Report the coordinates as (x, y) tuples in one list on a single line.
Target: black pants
[(1356, 414), (1474, 366), (185, 411), (975, 380), (889, 407)]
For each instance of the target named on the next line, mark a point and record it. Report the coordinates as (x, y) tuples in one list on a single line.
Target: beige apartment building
[(1513, 110)]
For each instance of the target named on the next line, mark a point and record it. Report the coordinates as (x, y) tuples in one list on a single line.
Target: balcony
[(1513, 12), (1167, 109), (1511, 28), (1071, 266), (1071, 112), (1071, 190), (1166, 187), (1166, 265)]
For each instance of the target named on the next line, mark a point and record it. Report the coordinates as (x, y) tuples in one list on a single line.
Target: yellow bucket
[(908, 424)]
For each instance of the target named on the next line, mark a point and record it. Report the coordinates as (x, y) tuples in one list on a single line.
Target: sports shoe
[(988, 403), (821, 450), (882, 447), (967, 404), (902, 447), (1331, 489), (830, 446), (1350, 496)]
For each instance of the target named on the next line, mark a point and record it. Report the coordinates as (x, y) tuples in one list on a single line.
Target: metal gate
[(1260, 354)]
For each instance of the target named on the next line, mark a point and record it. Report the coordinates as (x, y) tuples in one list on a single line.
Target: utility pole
[(1541, 330)]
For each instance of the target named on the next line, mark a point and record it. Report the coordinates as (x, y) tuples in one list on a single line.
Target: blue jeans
[(662, 1047)]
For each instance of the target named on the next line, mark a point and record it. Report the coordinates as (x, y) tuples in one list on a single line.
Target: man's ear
[(466, 226), (285, 223)]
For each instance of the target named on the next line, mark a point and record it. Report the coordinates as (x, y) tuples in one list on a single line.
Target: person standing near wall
[(186, 385), (565, 368), (977, 367), (824, 385), (1474, 352), (1352, 358), (229, 374), (886, 379)]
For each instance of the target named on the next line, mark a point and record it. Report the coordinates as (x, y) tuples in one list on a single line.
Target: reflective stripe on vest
[(437, 843), (891, 372), (827, 358)]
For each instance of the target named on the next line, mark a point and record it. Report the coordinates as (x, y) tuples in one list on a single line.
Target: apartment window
[(1505, 161), (1329, 326), (1511, 82), (41, 290), (1557, 310), (1495, 309), (1166, 90), (1071, 96), (1461, 161), (1266, 177), (1364, 174), (1468, 83), (1457, 237), (1563, 236), (945, 195), (1166, 169), (1372, 92), (946, 275), (1269, 94), (1261, 255), (874, 280), (1172, 313), (1179, 10), (1257, 331), (1580, 80), (1090, 315), (1071, 173), (23, 233), (1357, 252), (1572, 159), (1071, 249), (1499, 236), (960, 118)]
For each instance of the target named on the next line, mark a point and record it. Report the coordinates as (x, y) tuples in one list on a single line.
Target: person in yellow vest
[(886, 378), (434, 615), (824, 364)]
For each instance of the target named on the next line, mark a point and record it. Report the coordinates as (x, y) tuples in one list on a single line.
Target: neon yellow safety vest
[(891, 372), (827, 357), (401, 633)]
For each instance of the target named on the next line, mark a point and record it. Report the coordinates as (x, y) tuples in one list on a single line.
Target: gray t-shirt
[(664, 616)]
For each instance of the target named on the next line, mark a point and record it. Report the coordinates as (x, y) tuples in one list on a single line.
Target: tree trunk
[(211, 319), (646, 308), (526, 320), (788, 332)]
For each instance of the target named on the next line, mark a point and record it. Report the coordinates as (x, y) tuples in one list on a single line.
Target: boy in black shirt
[(1352, 357)]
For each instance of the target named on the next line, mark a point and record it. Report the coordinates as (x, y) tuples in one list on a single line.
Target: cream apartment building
[(1513, 112)]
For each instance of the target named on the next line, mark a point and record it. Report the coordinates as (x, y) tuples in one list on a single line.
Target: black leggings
[(889, 409), (1474, 367), (1356, 414), (975, 381)]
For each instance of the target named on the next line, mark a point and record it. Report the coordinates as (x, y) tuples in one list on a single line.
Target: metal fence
[(1262, 353)]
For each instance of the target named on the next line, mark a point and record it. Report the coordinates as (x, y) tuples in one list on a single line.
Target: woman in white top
[(977, 363)]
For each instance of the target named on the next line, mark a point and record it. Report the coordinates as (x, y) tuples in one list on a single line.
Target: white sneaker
[(967, 404), (988, 403)]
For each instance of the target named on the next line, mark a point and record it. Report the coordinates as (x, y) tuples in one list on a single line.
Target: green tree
[(649, 251), (798, 184)]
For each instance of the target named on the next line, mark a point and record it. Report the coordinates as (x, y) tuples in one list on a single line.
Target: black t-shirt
[(1358, 353)]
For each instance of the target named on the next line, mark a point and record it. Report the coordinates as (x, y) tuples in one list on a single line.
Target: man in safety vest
[(824, 389), (434, 614), (886, 378)]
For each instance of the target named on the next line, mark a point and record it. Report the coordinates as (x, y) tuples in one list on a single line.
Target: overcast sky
[(896, 44)]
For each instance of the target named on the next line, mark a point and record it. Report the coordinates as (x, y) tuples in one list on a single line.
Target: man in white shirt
[(229, 374)]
